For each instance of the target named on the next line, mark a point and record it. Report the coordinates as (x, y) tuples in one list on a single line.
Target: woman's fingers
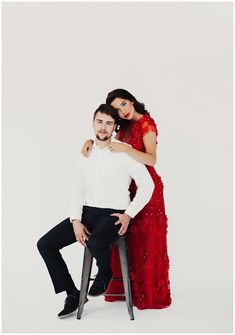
[(85, 151)]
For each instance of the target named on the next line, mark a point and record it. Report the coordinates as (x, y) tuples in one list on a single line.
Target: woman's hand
[(87, 146), (118, 147), (124, 220), (81, 232)]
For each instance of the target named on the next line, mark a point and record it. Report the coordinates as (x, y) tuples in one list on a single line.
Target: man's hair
[(108, 110)]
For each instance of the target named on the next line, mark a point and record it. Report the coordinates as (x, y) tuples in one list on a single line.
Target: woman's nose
[(123, 111)]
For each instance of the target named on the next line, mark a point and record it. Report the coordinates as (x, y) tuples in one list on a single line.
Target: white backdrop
[(59, 62)]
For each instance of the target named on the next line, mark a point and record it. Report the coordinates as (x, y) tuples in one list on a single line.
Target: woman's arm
[(87, 147), (148, 157)]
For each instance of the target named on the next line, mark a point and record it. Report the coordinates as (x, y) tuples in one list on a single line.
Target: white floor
[(208, 311)]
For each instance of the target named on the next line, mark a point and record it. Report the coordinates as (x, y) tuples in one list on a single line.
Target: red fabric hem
[(158, 306)]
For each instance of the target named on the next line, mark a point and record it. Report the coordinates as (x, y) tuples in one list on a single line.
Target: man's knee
[(95, 244), (42, 244)]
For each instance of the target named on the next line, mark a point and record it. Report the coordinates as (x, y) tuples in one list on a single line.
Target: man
[(100, 196)]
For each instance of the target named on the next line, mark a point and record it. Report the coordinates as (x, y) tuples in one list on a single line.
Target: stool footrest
[(114, 295), (113, 279)]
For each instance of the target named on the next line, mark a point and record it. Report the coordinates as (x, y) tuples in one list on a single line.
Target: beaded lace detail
[(149, 261)]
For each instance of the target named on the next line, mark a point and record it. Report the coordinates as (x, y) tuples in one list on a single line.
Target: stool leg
[(85, 279), (123, 253)]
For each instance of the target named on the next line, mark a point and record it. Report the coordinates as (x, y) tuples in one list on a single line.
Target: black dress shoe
[(70, 306), (101, 284)]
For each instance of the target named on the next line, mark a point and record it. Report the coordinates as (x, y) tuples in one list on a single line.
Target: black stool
[(121, 244)]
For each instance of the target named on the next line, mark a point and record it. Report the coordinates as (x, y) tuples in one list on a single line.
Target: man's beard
[(103, 138)]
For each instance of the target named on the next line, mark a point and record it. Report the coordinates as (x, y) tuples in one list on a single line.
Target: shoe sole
[(73, 312), (65, 316), (98, 295)]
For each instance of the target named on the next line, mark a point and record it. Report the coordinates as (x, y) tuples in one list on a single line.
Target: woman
[(147, 235)]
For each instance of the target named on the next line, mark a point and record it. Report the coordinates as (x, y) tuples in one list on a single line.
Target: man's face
[(103, 125)]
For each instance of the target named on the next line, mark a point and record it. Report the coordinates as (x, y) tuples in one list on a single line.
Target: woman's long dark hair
[(124, 94)]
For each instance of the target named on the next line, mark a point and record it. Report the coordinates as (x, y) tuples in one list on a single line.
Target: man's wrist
[(76, 221), (131, 216)]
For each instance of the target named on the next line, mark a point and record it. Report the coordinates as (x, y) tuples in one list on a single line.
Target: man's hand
[(81, 232), (124, 219)]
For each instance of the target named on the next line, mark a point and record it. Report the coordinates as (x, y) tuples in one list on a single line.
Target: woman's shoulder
[(147, 124), (146, 118)]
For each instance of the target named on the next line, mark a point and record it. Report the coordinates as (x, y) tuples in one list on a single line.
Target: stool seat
[(122, 244)]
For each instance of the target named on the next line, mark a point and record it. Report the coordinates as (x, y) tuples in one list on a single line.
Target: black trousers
[(103, 232)]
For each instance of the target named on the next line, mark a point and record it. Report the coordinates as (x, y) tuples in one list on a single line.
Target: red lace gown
[(149, 262)]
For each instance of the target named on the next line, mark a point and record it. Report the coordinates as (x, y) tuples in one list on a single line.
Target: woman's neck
[(137, 116)]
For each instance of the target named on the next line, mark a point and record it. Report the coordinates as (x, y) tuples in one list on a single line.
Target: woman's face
[(124, 107)]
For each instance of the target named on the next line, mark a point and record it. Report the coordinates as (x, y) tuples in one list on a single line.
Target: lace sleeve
[(148, 125)]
